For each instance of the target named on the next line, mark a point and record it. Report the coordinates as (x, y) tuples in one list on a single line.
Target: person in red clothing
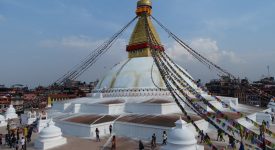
[(113, 143)]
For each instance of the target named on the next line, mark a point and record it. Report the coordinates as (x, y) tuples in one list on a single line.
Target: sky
[(41, 40)]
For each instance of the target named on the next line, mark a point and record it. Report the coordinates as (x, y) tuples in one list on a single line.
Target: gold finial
[(144, 7), (144, 3)]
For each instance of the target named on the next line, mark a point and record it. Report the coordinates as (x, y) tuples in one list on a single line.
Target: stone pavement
[(75, 143)]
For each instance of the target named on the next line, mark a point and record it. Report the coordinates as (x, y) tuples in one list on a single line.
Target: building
[(133, 98), (237, 88)]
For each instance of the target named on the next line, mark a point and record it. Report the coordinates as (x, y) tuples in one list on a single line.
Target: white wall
[(145, 132), (101, 108), (82, 130), (150, 108)]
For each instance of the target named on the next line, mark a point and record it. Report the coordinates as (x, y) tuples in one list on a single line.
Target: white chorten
[(10, 113), (2, 121), (181, 138), (50, 137)]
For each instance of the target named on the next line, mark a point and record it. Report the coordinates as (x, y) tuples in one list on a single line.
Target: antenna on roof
[(268, 71)]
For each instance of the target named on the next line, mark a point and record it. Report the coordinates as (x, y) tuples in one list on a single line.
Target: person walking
[(201, 135), (29, 134), (13, 141), (17, 145), (221, 137), (17, 134), (231, 141), (164, 136), (241, 146), (97, 135), (25, 132), (206, 138), (153, 141), (22, 142), (110, 129), (113, 143), (140, 145), (218, 136)]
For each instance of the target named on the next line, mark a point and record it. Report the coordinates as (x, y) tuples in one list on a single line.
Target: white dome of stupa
[(11, 113), (51, 131), (138, 72), (181, 138), (181, 134)]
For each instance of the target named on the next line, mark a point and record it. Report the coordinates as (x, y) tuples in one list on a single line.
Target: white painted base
[(49, 143), (174, 147)]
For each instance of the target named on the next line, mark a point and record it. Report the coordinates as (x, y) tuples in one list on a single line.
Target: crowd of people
[(16, 136)]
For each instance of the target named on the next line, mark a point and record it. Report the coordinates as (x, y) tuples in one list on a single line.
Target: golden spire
[(138, 45)]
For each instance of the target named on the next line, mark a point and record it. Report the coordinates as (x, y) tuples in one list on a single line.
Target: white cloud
[(76, 42), (205, 46), (79, 42)]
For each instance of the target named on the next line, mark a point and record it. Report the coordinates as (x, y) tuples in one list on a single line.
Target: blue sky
[(40, 40)]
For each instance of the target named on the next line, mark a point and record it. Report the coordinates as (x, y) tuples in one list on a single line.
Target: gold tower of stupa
[(138, 45)]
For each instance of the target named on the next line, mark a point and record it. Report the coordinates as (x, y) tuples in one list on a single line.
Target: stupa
[(50, 137), (11, 113), (133, 98), (3, 121), (181, 138)]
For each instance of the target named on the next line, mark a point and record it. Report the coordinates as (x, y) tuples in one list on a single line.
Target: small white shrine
[(181, 138), (50, 137), (3, 121), (11, 113), (28, 118), (42, 121)]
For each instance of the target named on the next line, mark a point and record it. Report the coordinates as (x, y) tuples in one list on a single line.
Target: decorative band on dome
[(144, 9), (143, 46)]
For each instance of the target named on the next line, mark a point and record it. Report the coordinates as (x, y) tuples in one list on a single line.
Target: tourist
[(29, 134), (201, 135), (25, 132), (113, 143), (252, 138), (97, 135), (8, 126), (8, 140), (110, 128), (17, 134), (153, 141), (22, 142), (231, 141), (140, 145), (218, 136), (221, 137), (13, 141), (0, 139), (206, 138), (17, 145), (164, 136), (241, 146)]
